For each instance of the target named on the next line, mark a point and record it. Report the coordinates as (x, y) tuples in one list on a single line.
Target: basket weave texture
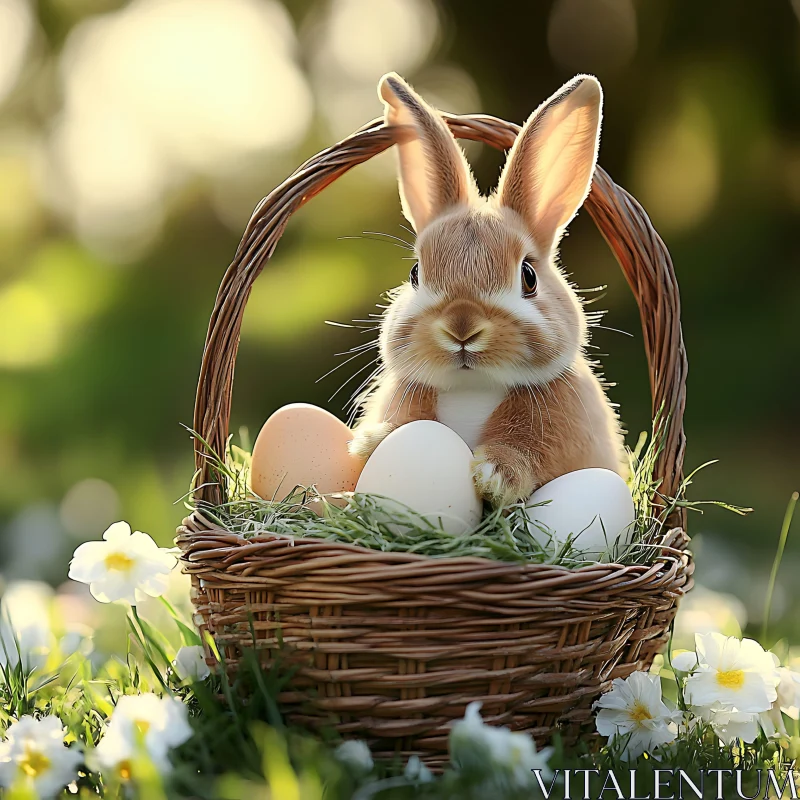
[(390, 647)]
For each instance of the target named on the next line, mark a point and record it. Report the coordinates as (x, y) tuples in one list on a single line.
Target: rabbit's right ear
[(433, 173)]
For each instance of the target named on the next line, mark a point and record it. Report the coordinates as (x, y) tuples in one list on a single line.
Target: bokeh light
[(676, 165), (345, 280), (20, 208), (89, 507), (597, 36), (16, 30), (32, 542), (61, 289), (355, 42), (707, 611), (29, 328), (370, 37), (162, 90)]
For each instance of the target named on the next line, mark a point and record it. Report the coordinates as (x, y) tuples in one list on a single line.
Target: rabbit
[(487, 336)]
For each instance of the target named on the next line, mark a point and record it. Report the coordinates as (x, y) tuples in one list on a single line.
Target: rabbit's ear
[(549, 169), (433, 172)]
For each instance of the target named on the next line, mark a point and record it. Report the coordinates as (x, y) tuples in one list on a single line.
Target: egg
[(427, 467), (303, 445), (592, 505)]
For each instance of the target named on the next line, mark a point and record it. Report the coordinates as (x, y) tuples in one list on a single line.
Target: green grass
[(784, 535), (503, 534)]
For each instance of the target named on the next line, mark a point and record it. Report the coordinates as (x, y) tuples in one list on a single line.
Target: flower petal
[(88, 562), (685, 661), (117, 533)]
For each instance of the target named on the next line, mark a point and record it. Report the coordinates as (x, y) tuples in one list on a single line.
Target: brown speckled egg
[(303, 445)]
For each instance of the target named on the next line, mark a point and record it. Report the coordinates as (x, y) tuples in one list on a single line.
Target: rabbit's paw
[(367, 437), (502, 475)]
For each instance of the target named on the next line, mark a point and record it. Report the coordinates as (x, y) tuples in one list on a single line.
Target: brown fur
[(468, 325), (561, 427), (473, 250), (394, 404)]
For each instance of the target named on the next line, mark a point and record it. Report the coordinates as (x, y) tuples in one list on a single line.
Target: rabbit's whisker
[(372, 326), (404, 246), (410, 231), (339, 366), (615, 330), (362, 393), (402, 241), (353, 376), (360, 348)]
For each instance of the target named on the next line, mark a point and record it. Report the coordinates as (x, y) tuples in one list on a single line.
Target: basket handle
[(641, 253)]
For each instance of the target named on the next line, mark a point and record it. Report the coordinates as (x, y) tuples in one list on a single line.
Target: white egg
[(592, 505), (425, 466)]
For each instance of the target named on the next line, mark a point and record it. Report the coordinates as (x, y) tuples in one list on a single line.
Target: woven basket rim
[(195, 534)]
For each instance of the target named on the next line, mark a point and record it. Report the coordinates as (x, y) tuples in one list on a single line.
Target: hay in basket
[(391, 645)]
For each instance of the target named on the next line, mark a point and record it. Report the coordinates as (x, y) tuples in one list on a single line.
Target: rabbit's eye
[(529, 282), (414, 276)]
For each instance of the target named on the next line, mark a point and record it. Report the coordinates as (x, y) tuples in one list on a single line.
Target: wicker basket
[(391, 647)]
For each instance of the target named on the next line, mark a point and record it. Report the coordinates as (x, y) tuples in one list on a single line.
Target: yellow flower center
[(142, 725), (640, 712), (125, 770), (119, 562), (731, 679), (34, 762)]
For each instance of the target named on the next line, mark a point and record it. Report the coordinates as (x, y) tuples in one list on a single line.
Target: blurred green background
[(136, 138)]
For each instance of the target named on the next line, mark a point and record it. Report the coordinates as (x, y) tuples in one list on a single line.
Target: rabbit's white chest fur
[(466, 410)]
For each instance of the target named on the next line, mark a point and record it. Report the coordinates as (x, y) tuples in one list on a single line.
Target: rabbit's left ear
[(550, 167), (433, 173)]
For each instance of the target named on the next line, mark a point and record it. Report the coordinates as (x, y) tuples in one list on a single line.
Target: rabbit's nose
[(465, 336)]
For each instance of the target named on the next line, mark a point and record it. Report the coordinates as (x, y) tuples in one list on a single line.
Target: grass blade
[(787, 522)]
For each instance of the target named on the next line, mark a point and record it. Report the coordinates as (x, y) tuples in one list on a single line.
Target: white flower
[(139, 724), (634, 712), (76, 638), (788, 689), (34, 751), (470, 739), (190, 664), (684, 661), (509, 758), (771, 722), (789, 692), (29, 643), (25, 624), (516, 755), (355, 754), (729, 674), (731, 725), (737, 686), (416, 771), (124, 566)]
